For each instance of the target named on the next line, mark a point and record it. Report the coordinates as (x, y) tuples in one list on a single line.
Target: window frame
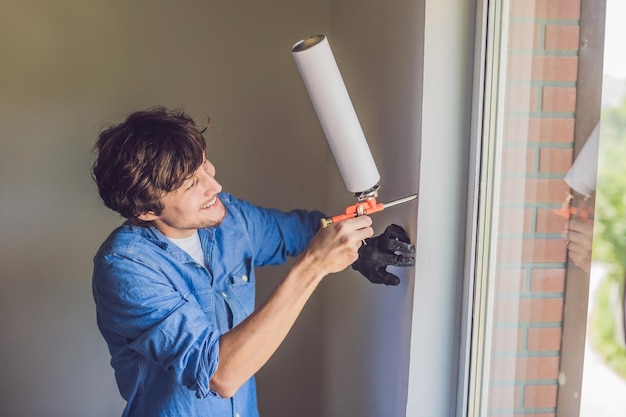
[(490, 67)]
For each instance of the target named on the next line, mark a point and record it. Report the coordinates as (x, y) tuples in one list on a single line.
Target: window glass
[(541, 114)]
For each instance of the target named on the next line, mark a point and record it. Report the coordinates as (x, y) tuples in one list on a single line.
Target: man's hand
[(335, 247), (579, 243), (393, 247)]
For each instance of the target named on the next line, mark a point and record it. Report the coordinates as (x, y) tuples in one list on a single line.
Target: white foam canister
[(334, 109)]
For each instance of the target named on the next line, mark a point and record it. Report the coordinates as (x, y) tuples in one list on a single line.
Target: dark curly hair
[(149, 154)]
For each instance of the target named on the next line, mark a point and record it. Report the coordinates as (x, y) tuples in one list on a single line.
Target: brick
[(547, 280), (520, 98), (518, 160), (537, 368), (524, 368), (551, 130), (550, 222), (559, 99), (524, 36), (544, 250), (547, 190), (535, 310), (506, 340), (545, 9), (536, 415), (513, 220), (544, 130), (509, 281), (503, 369), (540, 396), (536, 190), (522, 67), (555, 68), (541, 310), (557, 160), (562, 37), (506, 311), (544, 339), (519, 67), (506, 396)]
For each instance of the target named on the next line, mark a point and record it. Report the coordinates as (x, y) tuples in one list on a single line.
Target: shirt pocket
[(241, 284), (204, 297)]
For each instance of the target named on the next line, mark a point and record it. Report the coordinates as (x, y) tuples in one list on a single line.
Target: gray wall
[(66, 67), (366, 350)]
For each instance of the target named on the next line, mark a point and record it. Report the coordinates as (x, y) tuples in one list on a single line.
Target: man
[(174, 285)]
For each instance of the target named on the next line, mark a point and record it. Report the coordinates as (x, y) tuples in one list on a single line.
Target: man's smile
[(209, 204)]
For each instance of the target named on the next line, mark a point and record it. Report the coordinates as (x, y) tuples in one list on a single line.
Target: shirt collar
[(154, 235)]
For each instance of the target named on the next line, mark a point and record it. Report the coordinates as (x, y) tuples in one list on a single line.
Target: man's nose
[(211, 184)]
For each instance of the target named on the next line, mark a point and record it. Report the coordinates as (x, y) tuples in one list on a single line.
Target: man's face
[(193, 206)]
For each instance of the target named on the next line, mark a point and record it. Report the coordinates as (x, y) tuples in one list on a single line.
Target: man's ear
[(148, 216)]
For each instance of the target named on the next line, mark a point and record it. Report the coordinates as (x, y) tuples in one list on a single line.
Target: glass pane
[(546, 109), (604, 371)]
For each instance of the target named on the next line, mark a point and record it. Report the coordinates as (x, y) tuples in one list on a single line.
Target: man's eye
[(192, 184)]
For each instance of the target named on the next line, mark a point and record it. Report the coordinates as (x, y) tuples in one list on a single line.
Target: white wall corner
[(441, 224)]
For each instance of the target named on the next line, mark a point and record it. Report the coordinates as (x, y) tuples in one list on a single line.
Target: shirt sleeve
[(275, 235), (139, 309)]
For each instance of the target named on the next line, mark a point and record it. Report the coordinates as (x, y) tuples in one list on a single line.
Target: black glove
[(393, 247)]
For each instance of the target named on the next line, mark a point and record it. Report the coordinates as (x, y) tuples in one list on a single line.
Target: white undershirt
[(192, 246)]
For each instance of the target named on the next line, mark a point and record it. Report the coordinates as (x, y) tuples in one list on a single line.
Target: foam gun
[(327, 91)]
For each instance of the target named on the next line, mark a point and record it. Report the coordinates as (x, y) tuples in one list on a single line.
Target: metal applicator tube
[(339, 121)]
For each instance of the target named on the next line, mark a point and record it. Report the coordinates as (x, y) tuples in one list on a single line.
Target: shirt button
[(245, 279), (198, 266), (224, 295), (237, 415)]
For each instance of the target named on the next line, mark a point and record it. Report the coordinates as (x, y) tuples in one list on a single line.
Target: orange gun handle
[(573, 212), (360, 209), (567, 212)]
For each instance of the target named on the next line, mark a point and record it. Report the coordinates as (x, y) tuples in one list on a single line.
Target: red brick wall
[(537, 151)]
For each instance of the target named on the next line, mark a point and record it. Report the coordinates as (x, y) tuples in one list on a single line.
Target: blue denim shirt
[(162, 314)]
